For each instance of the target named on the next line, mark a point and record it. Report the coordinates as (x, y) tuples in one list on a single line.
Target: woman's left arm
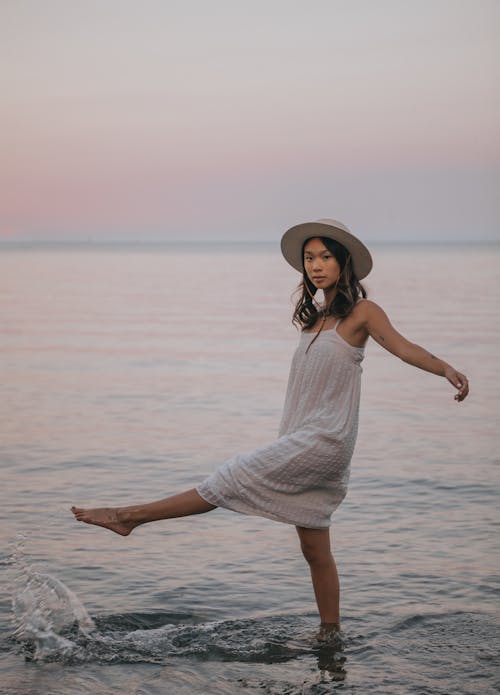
[(383, 332)]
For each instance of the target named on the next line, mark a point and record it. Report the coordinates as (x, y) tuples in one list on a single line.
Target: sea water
[(128, 372)]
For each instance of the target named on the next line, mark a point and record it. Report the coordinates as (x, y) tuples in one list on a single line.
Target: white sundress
[(302, 477)]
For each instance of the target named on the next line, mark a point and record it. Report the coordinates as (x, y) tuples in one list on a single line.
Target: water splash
[(269, 640), (45, 612), (51, 624)]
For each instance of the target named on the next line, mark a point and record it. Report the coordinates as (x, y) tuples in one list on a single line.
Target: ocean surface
[(129, 372)]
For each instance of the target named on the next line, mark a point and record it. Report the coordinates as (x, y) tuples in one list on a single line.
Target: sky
[(235, 119)]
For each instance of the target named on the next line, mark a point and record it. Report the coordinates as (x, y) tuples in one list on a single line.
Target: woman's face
[(320, 265)]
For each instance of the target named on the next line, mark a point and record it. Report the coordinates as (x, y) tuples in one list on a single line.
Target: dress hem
[(212, 499)]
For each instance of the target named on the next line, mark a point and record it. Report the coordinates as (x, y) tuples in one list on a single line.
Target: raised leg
[(123, 520), (315, 545)]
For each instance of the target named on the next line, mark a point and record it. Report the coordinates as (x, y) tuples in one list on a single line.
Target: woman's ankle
[(124, 515)]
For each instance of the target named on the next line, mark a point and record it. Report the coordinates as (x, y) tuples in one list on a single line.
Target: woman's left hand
[(459, 381)]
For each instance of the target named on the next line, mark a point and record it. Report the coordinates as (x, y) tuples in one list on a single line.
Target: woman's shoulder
[(364, 306), (363, 310)]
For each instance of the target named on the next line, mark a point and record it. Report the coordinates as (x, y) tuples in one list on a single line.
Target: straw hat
[(293, 240)]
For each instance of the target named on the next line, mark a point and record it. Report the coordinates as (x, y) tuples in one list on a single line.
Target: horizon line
[(192, 242)]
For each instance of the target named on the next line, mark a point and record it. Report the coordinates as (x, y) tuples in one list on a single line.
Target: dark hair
[(349, 289)]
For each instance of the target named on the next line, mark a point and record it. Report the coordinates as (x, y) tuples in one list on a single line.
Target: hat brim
[(293, 240)]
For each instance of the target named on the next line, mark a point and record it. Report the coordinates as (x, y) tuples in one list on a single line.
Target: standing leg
[(315, 545), (123, 520)]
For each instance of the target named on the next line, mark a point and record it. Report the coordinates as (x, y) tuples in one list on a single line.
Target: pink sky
[(229, 120)]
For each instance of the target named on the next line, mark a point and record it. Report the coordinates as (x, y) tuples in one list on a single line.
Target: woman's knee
[(316, 556), (315, 546)]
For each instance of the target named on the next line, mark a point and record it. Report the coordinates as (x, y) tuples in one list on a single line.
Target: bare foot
[(107, 517)]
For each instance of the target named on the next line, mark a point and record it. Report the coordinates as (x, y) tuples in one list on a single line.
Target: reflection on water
[(123, 381)]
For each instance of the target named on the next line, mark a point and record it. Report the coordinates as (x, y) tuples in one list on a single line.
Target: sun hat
[(293, 240)]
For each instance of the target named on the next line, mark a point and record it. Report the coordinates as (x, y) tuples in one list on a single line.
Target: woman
[(302, 477)]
